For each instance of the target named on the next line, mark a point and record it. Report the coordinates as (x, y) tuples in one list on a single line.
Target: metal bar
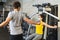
[(3, 14), (51, 15), (45, 31)]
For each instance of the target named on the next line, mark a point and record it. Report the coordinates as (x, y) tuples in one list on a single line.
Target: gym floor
[(4, 35)]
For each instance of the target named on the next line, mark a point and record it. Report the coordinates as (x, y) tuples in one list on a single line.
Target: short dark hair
[(16, 4), (42, 15)]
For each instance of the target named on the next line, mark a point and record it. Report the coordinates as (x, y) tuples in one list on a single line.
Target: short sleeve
[(10, 15), (23, 15)]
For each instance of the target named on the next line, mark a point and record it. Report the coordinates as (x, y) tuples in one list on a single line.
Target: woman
[(39, 30)]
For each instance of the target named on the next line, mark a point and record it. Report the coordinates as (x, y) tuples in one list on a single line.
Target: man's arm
[(30, 21), (45, 24), (5, 22)]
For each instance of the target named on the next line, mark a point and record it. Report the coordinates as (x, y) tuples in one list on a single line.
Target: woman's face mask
[(40, 17)]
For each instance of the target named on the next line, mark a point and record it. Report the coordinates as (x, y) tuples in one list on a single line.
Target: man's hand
[(5, 22), (30, 21), (38, 23), (55, 26)]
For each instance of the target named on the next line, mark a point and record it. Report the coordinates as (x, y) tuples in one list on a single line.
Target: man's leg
[(16, 37)]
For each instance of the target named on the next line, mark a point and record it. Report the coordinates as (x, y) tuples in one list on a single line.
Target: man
[(14, 19), (39, 30)]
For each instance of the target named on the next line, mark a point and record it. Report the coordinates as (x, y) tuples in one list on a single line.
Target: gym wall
[(59, 22)]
